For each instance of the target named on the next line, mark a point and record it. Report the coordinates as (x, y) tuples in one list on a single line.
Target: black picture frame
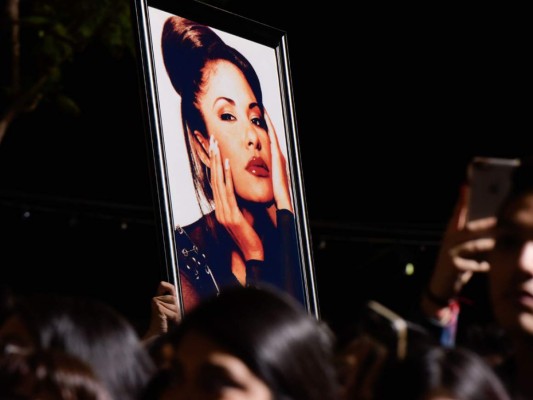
[(267, 50)]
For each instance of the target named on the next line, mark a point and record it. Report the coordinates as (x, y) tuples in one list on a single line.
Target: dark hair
[(457, 372), (187, 47), (94, 332), (57, 374), (273, 335)]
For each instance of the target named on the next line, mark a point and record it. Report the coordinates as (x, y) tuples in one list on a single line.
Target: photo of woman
[(231, 196)]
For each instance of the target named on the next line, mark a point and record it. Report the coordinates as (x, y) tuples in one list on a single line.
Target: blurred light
[(26, 215), (124, 226), (409, 269)]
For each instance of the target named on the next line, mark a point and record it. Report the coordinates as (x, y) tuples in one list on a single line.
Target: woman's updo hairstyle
[(187, 47)]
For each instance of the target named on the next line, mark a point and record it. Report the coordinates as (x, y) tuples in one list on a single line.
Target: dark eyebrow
[(223, 98), (232, 102)]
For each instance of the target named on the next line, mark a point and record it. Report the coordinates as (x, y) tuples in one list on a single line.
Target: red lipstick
[(257, 166)]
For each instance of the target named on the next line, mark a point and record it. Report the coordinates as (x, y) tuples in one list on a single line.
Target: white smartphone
[(489, 180)]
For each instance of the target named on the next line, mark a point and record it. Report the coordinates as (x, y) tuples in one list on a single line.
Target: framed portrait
[(221, 124)]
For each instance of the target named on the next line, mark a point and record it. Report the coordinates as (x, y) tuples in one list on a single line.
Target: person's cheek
[(525, 257)]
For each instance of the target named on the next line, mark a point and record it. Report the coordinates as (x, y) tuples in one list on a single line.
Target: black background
[(391, 103)]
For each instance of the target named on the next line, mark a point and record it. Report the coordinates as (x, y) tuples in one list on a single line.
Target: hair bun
[(185, 51)]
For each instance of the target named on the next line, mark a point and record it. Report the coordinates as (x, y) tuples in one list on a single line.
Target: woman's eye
[(227, 117), (260, 122)]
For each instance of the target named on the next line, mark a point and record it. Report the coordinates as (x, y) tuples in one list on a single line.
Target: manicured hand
[(280, 178), (226, 208)]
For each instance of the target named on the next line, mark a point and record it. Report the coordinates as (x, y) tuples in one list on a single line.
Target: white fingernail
[(226, 163)]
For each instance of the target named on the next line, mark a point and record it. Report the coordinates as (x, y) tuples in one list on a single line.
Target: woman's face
[(202, 370), (511, 271), (235, 120)]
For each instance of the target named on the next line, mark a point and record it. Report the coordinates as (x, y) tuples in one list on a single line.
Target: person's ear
[(201, 146)]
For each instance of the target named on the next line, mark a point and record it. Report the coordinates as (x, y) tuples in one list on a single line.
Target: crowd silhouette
[(256, 341)]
